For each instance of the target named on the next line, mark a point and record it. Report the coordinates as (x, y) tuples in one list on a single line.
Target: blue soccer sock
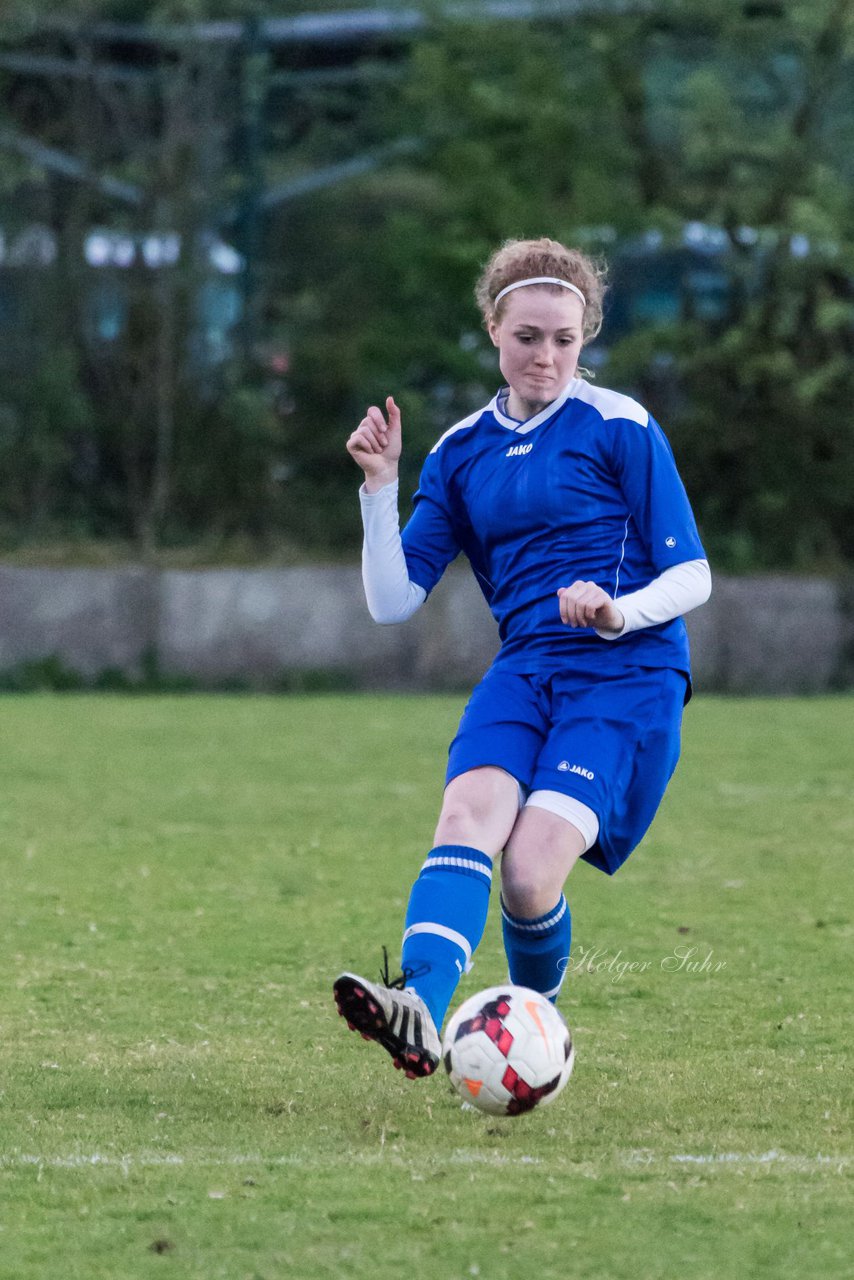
[(445, 920), (538, 950)]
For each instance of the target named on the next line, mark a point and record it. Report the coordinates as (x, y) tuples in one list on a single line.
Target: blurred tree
[(136, 294), (615, 130), (765, 433), (599, 131)]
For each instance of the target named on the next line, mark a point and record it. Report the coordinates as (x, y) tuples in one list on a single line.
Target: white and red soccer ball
[(508, 1050)]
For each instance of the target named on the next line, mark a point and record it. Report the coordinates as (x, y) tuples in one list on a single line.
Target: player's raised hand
[(376, 445), (585, 604)]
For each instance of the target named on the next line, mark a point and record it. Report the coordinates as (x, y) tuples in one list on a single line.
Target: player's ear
[(492, 330)]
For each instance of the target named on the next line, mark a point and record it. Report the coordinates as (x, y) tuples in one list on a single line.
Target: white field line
[(153, 1160), (744, 1158), (127, 1161)]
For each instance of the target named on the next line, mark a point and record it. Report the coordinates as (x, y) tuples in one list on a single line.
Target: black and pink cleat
[(395, 1018)]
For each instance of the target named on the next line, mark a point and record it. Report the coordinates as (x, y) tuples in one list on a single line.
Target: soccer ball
[(508, 1050)]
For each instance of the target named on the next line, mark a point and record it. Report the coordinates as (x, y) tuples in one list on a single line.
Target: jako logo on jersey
[(516, 450), (670, 542), (566, 767)]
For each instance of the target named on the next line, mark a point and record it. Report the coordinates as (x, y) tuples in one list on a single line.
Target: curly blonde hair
[(521, 259)]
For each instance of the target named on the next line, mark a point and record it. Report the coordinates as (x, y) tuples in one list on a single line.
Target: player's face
[(539, 340)]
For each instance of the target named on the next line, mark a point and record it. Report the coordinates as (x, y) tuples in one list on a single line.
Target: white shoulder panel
[(611, 404), (459, 426)]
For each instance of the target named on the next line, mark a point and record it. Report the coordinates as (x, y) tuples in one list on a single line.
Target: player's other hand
[(585, 604), (375, 445)]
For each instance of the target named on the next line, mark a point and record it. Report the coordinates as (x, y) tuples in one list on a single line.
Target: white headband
[(519, 284)]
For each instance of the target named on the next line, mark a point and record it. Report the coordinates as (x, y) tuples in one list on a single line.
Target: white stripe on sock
[(466, 863), (440, 929), (538, 926)]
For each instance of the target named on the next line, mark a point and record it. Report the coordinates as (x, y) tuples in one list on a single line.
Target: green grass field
[(183, 877)]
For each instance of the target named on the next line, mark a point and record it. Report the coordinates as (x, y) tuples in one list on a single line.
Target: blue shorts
[(610, 740)]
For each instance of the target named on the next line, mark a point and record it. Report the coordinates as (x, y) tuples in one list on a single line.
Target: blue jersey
[(587, 489)]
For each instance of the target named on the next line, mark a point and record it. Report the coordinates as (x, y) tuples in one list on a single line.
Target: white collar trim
[(522, 428)]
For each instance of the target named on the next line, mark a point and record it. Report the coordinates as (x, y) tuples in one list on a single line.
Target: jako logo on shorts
[(566, 767), (516, 450)]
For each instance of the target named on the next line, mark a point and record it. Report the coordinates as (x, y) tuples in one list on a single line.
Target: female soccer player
[(566, 500)]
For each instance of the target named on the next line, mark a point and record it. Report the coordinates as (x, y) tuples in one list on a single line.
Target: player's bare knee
[(529, 885), (479, 808), (540, 854), (528, 890), (464, 823)]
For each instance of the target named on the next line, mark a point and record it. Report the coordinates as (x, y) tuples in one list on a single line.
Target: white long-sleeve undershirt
[(675, 591), (392, 597)]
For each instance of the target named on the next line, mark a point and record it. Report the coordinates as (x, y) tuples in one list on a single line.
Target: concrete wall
[(756, 635)]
